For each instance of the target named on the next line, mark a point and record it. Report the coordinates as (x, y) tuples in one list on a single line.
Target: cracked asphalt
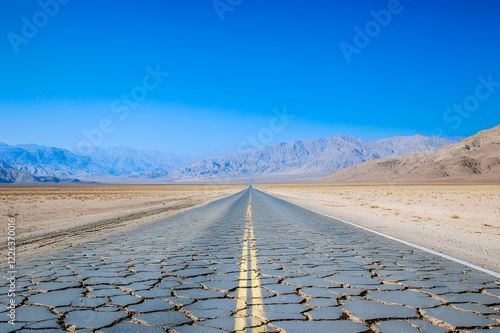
[(250, 263)]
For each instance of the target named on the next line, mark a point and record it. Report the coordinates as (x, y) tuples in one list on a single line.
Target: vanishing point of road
[(250, 263)]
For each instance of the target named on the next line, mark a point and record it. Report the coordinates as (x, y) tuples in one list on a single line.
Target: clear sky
[(370, 69)]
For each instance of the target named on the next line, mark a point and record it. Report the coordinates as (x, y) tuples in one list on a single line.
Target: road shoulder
[(423, 216)]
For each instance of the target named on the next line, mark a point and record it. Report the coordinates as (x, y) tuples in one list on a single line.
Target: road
[(250, 263)]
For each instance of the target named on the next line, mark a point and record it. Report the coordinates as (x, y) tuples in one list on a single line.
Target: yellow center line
[(249, 256), (258, 314), (241, 307)]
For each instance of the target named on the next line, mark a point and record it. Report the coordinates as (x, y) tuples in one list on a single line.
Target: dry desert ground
[(458, 220), (49, 218)]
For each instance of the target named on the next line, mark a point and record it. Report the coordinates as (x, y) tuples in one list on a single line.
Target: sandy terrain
[(459, 220), (56, 217)]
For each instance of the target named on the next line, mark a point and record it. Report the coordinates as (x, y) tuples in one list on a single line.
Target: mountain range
[(307, 159), (474, 159), (9, 175), (34, 163)]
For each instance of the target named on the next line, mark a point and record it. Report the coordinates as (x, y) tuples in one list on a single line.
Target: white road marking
[(460, 261)]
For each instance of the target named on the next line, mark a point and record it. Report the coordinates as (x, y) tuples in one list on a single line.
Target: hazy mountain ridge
[(33, 163), (123, 161), (9, 175), (309, 157), (474, 159), (41, 161), (312, 158)]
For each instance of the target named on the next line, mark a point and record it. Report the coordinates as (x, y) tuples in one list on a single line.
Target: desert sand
[(458, 220), (50, 218)]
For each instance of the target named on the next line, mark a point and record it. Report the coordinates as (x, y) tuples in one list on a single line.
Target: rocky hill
[(474, 159)]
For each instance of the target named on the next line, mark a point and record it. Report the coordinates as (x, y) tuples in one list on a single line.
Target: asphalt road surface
[(249, 263)]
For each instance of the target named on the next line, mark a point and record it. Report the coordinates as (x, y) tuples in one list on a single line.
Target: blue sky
[(67, 68)]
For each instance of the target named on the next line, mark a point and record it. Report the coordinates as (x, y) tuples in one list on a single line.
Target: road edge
[(422, 248)]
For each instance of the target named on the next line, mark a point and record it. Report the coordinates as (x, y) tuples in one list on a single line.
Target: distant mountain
[(40, 163), (8, 175), (123, 161), (47, 161), (309, 158), (474, 159)]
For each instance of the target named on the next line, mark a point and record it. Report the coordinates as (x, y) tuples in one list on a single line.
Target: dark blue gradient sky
[(228, 70)]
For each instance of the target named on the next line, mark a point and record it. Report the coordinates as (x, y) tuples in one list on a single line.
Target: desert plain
[(458, 220)]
